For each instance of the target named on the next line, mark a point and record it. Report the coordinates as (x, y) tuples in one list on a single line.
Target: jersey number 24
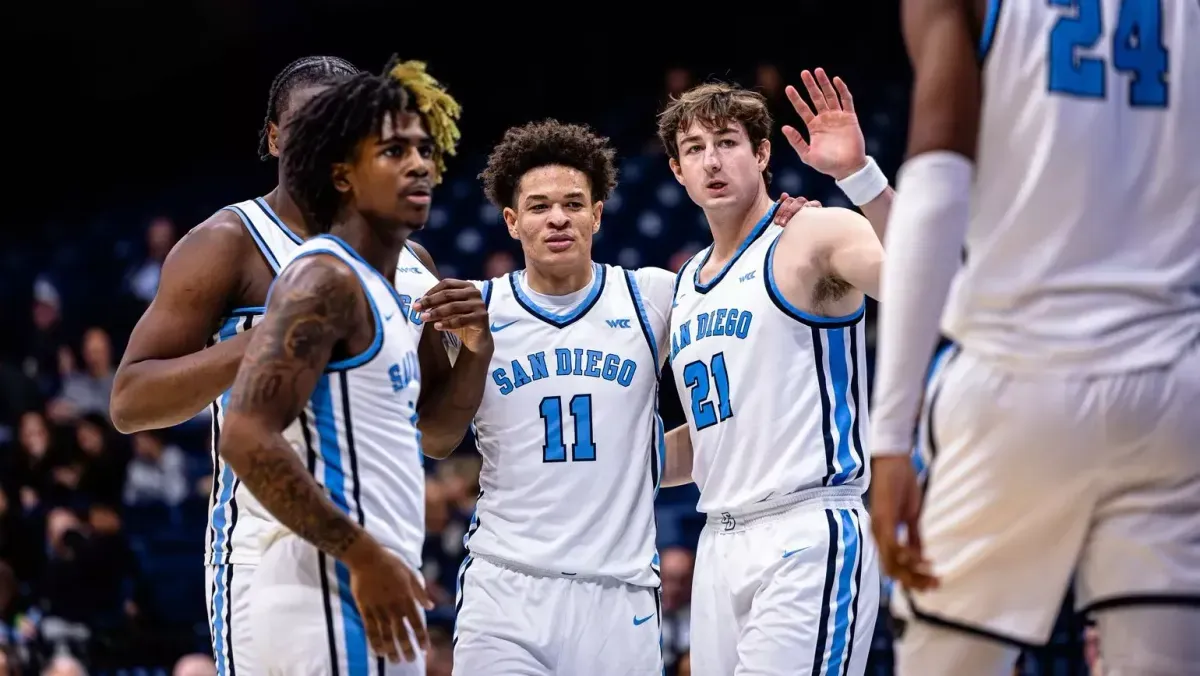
[(1137, 48)]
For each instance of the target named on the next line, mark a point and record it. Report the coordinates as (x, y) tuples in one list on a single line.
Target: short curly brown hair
[(713, 105), (548, 143)]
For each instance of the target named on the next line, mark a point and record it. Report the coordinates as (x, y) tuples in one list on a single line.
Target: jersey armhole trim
[(643, 318), (408, 245), (270, 213), (258, 240), (376, 343), (988, 34), (807, 318), (487, 294)]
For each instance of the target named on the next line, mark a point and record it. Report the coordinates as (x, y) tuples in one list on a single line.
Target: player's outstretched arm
[(836, 146), (166, 375), (453, 307), (838, 243), (925, 238), (677, 470)]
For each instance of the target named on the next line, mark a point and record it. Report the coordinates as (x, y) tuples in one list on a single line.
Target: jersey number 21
[(1137, 49)]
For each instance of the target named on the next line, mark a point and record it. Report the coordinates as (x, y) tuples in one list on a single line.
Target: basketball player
[(1057, 142), (335, 355), (768, 352), (570, 411), (212, 290)]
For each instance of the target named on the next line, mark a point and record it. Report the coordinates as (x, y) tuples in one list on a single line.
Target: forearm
[(158, 393), (677, 470), (868, 189), (274, 473), (447, 412), (924, 248), (878, 210)]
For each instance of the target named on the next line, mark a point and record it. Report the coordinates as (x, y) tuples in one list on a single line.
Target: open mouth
[(716, 185)]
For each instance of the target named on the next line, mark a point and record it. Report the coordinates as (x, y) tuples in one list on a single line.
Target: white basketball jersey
[(359, 434), (569, 432), (1083, 250), (776, 398), (237, 523), (413, 280)]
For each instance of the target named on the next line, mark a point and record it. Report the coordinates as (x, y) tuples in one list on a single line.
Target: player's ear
[(341, 177), (676, 170), (510, 219), (763, 154), (273, 139), (597, 210)]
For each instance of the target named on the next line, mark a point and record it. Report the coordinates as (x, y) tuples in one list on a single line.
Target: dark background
[(120, 115)]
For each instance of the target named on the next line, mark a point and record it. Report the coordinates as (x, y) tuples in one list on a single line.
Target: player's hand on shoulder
[(457, 306), (387, 594), (790, 206), (835, 145)]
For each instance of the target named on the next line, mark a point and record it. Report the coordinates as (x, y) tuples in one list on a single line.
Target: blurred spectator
[(143, 278), (676, 566), (41, 352), (157, 473), (101, 460), (498, 263), (440, 659), (64, 665), (89, 390), (195, 665)]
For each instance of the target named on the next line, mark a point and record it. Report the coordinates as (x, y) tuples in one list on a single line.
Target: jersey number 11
[(555, 450)]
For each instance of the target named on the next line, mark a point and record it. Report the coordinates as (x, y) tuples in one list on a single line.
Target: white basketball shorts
[(790, 589), (1036, 477), (306, 622), (228, 604), (525, 624)]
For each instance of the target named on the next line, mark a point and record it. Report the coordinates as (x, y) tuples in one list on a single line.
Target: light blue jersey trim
[(759, 229), (486, 292), (796, 313), (847, 594), (334, 480), (988, 34), (376, 343), (659, 440), (266, 209), (599, 275), (258, 239)]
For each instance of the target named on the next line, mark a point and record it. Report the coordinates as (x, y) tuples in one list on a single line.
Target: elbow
[(438, 448), (122, 408), (235, 441)]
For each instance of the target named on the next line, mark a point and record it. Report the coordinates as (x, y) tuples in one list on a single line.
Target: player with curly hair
[(572, 444)]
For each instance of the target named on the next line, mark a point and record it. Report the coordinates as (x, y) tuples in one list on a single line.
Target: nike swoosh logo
[(786, 554), (388, 318), (637, 621), (500, 327)]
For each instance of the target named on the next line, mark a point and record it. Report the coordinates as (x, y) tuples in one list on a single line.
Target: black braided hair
[(327, 130), (305, 72)]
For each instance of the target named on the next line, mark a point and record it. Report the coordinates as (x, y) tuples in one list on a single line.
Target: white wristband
[(865, 184)]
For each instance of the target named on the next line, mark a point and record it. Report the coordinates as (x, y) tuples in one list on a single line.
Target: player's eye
[(426, 150), (575, 205), (538, 207)]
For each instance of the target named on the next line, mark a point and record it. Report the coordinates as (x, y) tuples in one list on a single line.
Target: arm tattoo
[(312, 306), (277, 477)]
